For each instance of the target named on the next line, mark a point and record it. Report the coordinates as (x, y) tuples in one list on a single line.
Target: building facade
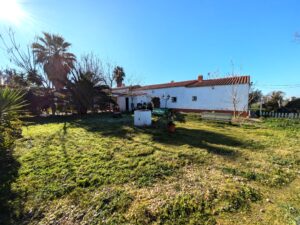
[(219, 95)]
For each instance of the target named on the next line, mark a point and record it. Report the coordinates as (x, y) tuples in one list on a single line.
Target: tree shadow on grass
[(40, 120), (109, 127), (8, 174), (103, 123), (215, 143)]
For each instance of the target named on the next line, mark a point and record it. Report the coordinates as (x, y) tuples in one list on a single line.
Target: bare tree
[(235, 94), (104, 70), (23, 58), (132, 80), (91, 63), (108, 74), (214, 74)]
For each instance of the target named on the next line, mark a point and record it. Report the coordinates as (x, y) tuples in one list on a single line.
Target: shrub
[(9, 132), (11, 104)]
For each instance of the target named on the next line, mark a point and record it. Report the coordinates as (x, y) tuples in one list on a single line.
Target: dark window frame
[(194, 98), (173, 99)]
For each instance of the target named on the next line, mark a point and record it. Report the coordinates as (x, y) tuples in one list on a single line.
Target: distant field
[(101, 170)]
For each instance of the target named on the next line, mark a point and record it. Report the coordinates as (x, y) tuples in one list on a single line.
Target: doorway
[(127, 104), (156, 102)]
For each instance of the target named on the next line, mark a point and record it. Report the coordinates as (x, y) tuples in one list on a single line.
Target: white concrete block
[(142, 118)]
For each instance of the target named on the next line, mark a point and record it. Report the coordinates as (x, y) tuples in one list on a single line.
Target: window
[(174, 99), (194, 98)]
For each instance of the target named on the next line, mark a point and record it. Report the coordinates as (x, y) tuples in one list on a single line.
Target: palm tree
[(119, 75), (86, 90), (52, 52)]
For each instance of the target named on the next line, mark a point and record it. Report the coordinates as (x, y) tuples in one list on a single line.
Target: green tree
[(274, 100), (255, 96), (52, 52), (86, 90), (119, 75), (87, 85), (293, 105)]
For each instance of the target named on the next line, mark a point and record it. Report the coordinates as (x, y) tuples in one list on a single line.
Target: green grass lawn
[(102, 170)]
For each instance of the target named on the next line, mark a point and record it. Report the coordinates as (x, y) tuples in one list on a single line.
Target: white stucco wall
[(122, 103), (208, 98)]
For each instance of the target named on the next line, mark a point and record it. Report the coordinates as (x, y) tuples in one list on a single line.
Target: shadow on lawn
[(108, 126), (36, 120), (8, 174), (214, 143), (105, 125)]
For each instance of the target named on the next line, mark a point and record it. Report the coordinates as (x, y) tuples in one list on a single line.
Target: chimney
[(200, 78), (119, 84)]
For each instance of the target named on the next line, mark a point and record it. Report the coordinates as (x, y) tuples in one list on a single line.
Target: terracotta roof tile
[(168, 85), (195, 83), (126, 87), (222, 81)]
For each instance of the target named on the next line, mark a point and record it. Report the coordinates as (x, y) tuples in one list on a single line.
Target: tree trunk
[(53, 109)]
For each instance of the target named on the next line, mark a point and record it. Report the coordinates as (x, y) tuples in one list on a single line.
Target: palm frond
[(52, 52), (11, 102)]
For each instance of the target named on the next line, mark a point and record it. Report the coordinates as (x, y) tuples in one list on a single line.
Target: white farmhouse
[(219, 95)]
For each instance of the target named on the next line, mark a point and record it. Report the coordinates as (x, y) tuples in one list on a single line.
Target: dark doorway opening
[(156, 102), (127, 104)]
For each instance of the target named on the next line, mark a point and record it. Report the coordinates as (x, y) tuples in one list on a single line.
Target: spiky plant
[(86, 90), (11, 103)]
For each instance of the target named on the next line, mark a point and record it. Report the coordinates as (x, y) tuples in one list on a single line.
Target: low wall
[(242, 114)]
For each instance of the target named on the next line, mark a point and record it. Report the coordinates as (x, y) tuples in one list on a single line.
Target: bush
[(9, 132), (11, 104)]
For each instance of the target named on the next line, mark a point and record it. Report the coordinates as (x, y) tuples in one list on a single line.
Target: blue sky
[(158, 41)]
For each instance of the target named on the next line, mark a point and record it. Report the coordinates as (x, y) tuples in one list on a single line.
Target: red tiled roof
[(126, 87), (168, 85), (194, 83), (222, 81)]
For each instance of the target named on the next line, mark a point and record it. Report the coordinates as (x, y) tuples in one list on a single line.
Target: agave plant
[(11, 102)]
